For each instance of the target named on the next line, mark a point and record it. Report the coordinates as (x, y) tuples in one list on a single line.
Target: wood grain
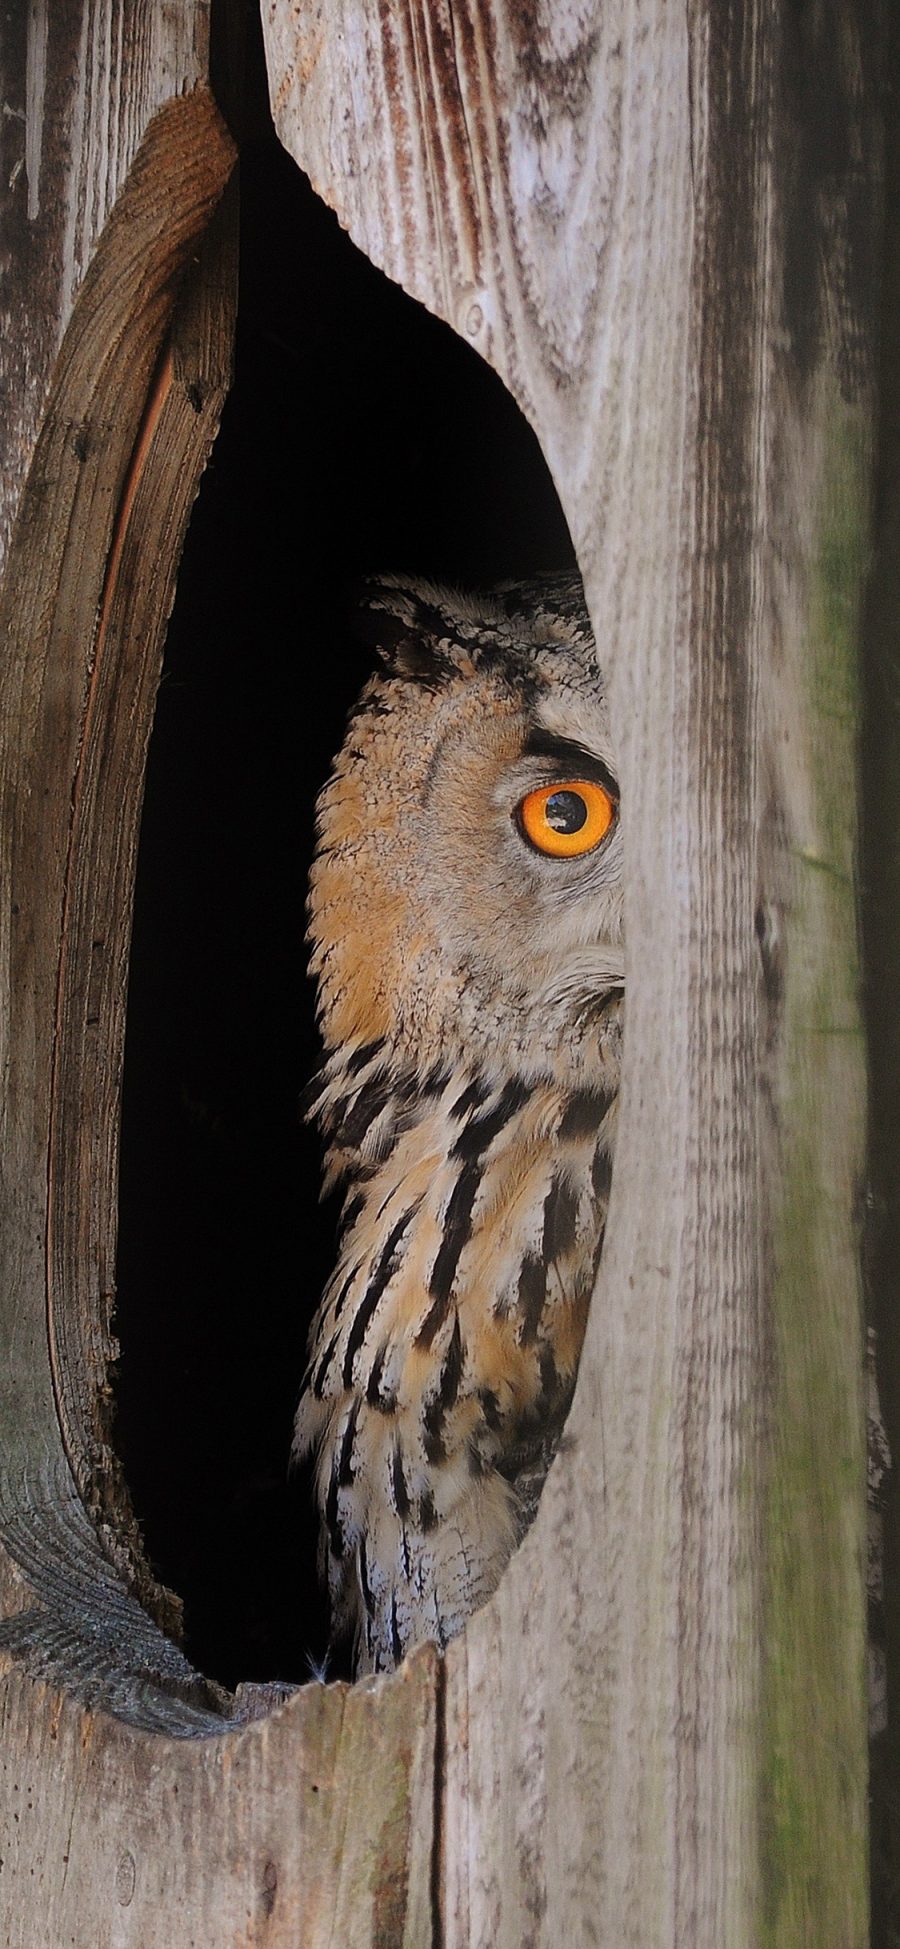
[(274, 1836), (73, 663), (659, 226), (180, 419), (81, 81), (84, 603), (136, 1803), (880, 877)]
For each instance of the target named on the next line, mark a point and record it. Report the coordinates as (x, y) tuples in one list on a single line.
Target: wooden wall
[(662, 227)]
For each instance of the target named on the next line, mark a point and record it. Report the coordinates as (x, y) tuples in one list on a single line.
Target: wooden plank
[(661, 227), (181, 417), (136, 1802), (83, 630), (880, 878), (112, 1838), (655, 1733), (80, 81)]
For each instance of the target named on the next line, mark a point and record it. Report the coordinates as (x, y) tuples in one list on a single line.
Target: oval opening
[(361, 435)]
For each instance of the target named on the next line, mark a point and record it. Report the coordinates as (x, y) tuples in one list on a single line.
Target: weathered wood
[(112, 1831), (82, 80), (187, 392), (89, 582), (660, 227), (880, 875), (275, 1835)]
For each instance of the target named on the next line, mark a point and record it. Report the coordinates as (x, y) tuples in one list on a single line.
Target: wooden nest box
[(661, 227)]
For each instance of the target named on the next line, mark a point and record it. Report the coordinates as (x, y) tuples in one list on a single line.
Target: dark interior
[(361, 434)]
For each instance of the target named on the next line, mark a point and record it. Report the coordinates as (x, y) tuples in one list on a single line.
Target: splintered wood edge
[(90, 577), (181, 417), (317, 1824)]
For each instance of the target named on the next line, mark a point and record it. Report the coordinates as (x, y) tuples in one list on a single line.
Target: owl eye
[(566, 819)]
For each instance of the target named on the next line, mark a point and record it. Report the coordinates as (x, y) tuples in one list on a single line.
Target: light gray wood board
[(655, 1733), (218, 1842), (311, 1827), (80, 80), (659, 225)]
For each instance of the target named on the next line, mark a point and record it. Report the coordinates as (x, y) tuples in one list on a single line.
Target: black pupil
[(566, 811)]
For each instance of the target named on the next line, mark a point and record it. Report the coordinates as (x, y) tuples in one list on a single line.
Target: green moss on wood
[(814, 1727)]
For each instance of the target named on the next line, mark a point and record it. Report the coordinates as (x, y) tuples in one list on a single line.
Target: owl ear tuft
[(407, 623)]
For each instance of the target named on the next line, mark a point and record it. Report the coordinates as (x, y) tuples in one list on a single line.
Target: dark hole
[(360, 435)]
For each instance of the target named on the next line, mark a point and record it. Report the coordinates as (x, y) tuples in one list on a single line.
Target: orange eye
[(567, 819)]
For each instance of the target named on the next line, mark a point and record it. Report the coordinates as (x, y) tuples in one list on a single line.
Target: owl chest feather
[(445, 1350), (466, 930)]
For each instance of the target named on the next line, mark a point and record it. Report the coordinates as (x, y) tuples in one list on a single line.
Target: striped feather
[(445, 1351), (470, 1003)]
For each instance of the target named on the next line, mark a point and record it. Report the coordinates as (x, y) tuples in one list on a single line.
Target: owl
[(467, 942)]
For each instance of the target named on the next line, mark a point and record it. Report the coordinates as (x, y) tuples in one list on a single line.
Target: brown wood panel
[(124, 440)]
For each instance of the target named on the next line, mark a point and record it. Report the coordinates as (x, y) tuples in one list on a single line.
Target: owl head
[(466, 895)]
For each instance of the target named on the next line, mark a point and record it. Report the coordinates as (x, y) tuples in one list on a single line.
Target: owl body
[(470, 993)]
